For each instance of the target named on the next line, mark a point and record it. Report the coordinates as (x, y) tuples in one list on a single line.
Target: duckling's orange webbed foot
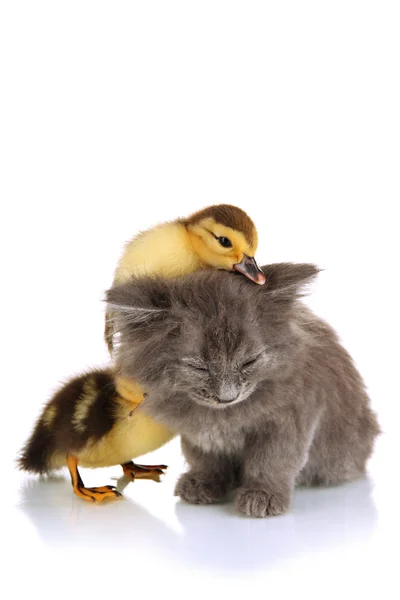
[(93, 494), (135, 471), (97, 494)]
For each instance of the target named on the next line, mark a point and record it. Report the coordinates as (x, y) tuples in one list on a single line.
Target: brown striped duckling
[(92, 421)]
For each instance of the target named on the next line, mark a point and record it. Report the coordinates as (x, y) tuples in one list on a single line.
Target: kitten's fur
[(297, 414)]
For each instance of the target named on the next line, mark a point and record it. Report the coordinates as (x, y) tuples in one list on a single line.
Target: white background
[(119, 115)]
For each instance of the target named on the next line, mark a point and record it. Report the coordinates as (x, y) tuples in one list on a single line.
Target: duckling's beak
[(250, 269)]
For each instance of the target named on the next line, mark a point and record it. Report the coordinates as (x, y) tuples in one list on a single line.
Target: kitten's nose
[(228, 393)]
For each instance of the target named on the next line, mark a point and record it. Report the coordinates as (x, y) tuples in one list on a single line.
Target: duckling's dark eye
[(225, 242)]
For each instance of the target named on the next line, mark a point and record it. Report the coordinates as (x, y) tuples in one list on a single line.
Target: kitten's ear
[(289, 279), (138, 302)]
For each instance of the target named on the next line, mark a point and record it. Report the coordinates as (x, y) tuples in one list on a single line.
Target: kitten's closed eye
[(250, 363), (198, 365)]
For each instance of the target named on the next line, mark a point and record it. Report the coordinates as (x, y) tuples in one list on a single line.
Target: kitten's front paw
[(197, 490), (255, 502)]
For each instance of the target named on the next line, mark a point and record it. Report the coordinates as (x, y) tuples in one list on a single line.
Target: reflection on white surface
[(338, 539), (214, 537)]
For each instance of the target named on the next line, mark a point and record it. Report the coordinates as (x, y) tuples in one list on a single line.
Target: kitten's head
[(211, 335)]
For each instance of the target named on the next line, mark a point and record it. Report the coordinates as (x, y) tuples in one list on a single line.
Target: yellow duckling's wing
[(165, 250)]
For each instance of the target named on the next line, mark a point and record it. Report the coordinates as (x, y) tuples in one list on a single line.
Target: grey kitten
[(259, 388)]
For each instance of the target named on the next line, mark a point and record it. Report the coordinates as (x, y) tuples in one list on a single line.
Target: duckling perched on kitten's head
[(217, 237)]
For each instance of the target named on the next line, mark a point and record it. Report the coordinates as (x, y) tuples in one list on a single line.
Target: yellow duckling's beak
[(250, 269)]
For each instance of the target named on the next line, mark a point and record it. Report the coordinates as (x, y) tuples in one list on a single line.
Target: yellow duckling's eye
[(225, 242)]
